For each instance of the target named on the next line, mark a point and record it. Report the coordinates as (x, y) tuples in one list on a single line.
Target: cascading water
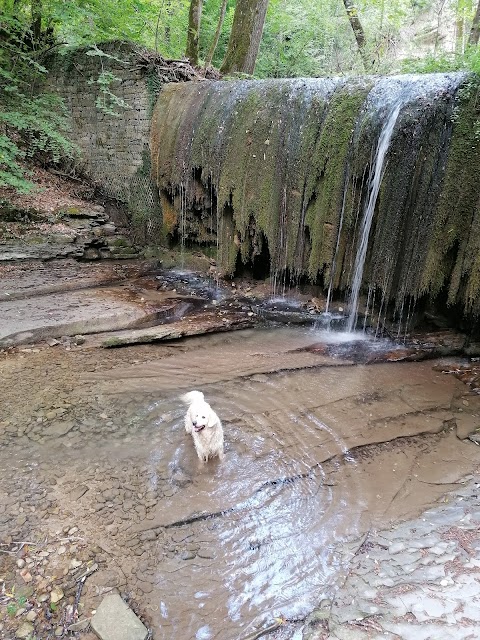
[(375, 180), (288, 164)]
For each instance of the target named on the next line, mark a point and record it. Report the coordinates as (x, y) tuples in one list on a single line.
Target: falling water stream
[(375, 180)]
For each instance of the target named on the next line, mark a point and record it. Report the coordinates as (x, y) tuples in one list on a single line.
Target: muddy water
[(318, 452)]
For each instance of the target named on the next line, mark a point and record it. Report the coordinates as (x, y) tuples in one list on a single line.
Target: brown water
[(318, 452)]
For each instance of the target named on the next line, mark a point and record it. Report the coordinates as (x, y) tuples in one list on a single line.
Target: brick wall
[(114, 149)]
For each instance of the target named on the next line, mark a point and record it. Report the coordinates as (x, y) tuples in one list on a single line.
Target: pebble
[(31, 615), (74, 564), (27, 576), (25, 630), (56, 595)]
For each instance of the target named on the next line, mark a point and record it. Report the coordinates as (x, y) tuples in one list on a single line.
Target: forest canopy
[(282, 38), (300, 37)]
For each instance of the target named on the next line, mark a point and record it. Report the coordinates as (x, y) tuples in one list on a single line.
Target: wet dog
[(204, 425)]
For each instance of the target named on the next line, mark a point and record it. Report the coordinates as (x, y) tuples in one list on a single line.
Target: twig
[(80, 583)]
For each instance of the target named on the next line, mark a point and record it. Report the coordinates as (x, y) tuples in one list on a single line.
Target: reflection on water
[(225, 546)]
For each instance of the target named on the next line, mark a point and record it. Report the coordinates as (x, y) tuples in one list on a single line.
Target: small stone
[(80, 625), (396, 547), (31, 615), (114, 620), (26, 575), (56, 595), (74, 564), (59, 632), (20, 563), (24, 630), (148, 535), (61, 550), (58, 429)]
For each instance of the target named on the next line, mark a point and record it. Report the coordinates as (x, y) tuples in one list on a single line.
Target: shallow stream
[(319, 451)]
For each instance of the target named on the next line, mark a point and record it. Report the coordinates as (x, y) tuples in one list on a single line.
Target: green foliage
[(107, 102), (445, 61), (15, 605), (31, 123)]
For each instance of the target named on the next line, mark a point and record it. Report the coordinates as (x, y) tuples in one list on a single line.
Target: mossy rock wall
[(284, 166)]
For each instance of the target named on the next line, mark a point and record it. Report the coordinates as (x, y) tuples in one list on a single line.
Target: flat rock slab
[(54, 315), (206, 322), (114, 620), (33, 278)]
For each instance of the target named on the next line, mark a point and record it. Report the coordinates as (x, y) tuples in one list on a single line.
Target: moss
[(286, 164), (458, 207), (327, 174), (170, 216)]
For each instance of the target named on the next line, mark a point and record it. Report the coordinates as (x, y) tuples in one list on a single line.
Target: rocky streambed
[(346, 506)]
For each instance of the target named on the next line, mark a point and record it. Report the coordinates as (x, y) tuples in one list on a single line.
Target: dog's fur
[(204, 425)]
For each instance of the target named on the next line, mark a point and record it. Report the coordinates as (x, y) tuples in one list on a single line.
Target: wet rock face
[(278, 172), (81, 232)]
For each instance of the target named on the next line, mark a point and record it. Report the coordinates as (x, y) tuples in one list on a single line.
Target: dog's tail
[(192, 396)]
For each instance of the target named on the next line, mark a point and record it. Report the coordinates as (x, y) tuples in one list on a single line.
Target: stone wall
[(113, 138)]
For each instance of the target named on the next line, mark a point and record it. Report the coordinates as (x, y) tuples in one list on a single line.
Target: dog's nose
[(194, 422)]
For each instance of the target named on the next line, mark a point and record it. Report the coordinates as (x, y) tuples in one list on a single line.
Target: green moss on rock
[(285, 165)]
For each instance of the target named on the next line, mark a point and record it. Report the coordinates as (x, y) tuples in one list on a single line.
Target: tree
[(218, 31), (357, 29), (31, 123), (245, 37), (194, 20), (475, 30)]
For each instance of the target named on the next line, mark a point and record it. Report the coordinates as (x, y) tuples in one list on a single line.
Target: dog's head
[(202, 416)]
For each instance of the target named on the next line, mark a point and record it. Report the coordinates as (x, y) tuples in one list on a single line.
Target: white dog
[(204, 425)]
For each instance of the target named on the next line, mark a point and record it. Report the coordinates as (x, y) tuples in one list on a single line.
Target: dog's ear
[(212, 419)]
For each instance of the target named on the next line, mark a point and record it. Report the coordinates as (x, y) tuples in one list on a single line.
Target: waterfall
[(291, 172), (374, 182)]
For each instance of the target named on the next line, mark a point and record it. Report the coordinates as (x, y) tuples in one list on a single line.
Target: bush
[(32, 123)]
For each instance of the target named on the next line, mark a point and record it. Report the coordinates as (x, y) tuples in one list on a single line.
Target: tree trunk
[(475, 30), (36, 21), (459, 28), (357, 29), (216, 38), (246, 35), (194, 19)]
